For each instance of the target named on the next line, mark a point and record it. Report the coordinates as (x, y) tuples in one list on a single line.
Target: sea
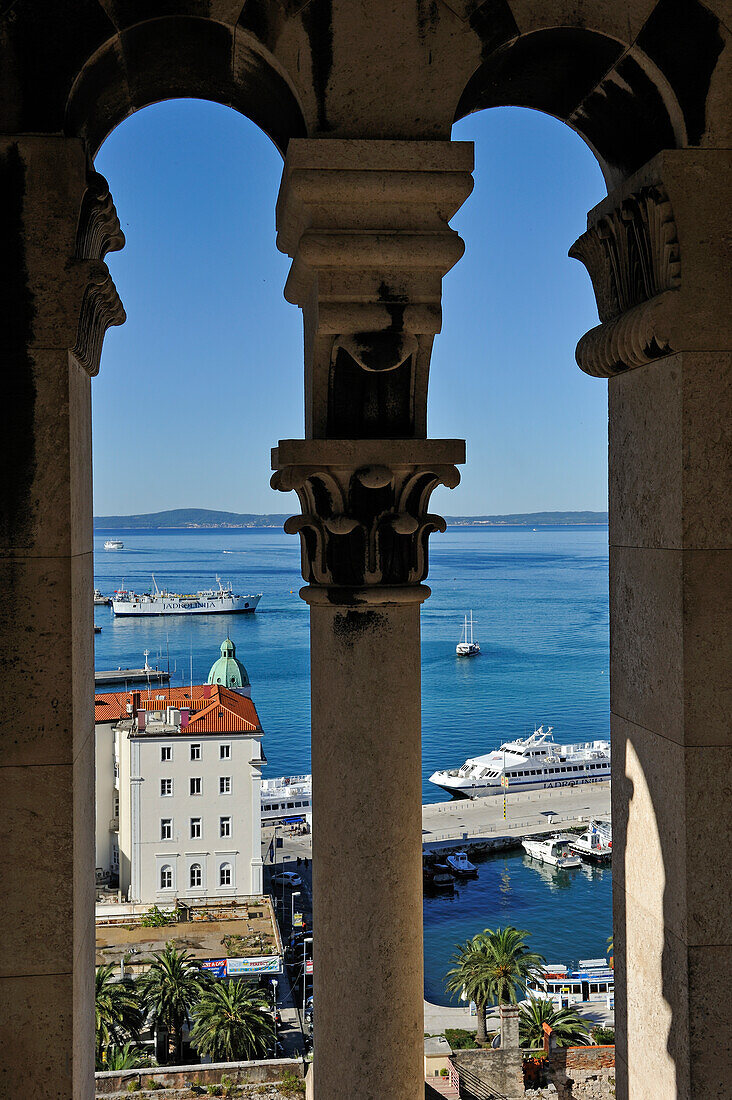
[(539, 598)]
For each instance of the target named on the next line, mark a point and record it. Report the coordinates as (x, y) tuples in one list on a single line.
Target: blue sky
[(206, 375)]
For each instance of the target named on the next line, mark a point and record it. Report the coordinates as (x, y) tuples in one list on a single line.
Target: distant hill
[(206, 517)]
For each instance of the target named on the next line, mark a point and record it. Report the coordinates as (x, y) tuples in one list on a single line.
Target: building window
[(225, 784), (224, 826), (196, 874), (166, 753), (224, 752), (166, 787), (166, 828), (166, 877), (115, 856), (195, 752), (196, 784), (225, 874), (195, 828)]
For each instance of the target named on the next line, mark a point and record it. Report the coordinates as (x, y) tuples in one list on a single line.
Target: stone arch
[(617, 97), (175, 58)]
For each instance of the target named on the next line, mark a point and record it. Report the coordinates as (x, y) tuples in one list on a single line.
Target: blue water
[(540, 606)]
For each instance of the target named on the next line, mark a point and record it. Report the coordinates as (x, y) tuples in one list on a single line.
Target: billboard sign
[(297, 920), (263, 964), (215, 968), (308, 966)]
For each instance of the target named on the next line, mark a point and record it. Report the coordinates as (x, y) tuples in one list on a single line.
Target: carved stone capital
[(98, 233), (632, 256), (366, 225), (365, 518)]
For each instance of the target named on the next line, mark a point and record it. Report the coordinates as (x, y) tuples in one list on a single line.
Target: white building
[(178, 804)]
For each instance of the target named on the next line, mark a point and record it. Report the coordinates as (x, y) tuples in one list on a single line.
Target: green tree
[(511, 962), (568, 1026), (489, 969), (170, 989), (231, 1022), (117, 1013), (126, 1057)]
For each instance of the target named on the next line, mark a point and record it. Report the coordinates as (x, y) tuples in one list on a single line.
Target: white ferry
[(526, 764), (162, 602), (593, 980), (287, 797), (114, 544)]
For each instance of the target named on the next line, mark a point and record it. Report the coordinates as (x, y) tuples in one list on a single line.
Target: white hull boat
[(531, 763), (287, 796), (467, 646), (161, 602), (554, 851), (461, 866), (114, 544), (594, 844)]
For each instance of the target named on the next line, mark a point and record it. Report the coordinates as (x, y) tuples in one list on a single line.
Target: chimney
[(141, 716), (135, 703), (509, 1015), (185, 716), (207, 691)]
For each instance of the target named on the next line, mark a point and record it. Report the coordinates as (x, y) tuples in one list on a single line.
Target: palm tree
[(170, 989), (126, 1057), (231, 1022), (117, 1013), (489, 968), (568, 1026), (512, 964)]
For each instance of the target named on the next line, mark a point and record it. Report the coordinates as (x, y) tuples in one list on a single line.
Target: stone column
[(366, 225), (655, 250), (57, 222)]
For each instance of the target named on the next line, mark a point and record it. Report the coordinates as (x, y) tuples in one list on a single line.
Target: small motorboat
[(100, 600), (461, 866), (97, 629), (594, 844), (553, 850)]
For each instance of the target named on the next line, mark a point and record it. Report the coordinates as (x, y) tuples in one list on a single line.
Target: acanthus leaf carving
[(364, 525), (633, 259), (98, 233)]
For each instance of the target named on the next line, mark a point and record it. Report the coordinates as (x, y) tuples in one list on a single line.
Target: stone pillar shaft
[(58, 223), (656, 252), (367, 870)]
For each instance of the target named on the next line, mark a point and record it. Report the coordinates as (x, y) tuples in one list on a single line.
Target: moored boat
[(553, 850), (100, 600), (461, 866), (530, 763), (594, 844)]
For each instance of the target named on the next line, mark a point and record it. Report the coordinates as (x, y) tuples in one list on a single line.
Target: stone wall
[(174, 1078), (579, 1073)]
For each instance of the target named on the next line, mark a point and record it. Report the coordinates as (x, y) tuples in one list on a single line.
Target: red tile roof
[(214, 709)]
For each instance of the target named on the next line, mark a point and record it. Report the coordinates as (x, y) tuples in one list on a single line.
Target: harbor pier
[(527, 812)]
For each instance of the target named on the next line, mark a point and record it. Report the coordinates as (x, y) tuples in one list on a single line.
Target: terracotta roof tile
[(214, 709)]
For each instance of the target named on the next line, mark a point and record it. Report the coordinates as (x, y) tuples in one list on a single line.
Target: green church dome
[(227, 671)]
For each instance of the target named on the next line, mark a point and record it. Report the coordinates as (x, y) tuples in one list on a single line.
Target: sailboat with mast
[(467, 646)]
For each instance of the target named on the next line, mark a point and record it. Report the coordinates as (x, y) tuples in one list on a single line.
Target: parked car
[(287, 878)]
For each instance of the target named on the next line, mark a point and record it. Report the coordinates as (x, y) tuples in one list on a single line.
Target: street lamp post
[(305, 941), (274, 997)]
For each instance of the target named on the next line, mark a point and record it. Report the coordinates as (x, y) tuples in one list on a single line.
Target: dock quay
[(472, 821), (131, 676)]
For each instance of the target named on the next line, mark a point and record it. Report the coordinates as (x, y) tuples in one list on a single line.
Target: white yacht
[(461, 866), (595, 843), (162, 602), (114, 544), (467, 646), (553, 850), (287, 796), (528, 763)]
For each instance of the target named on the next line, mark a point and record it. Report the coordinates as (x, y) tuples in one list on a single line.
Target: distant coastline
[(205, 519)]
